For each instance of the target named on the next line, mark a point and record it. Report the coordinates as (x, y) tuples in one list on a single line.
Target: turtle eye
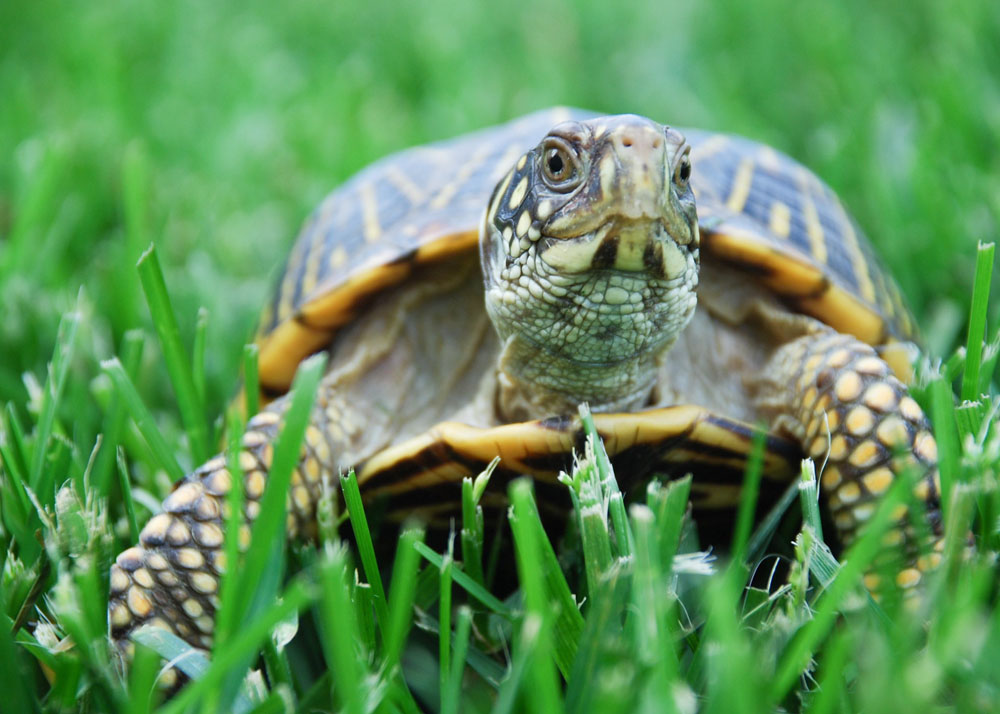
[(682, 172), (555, 164), (560, 167)]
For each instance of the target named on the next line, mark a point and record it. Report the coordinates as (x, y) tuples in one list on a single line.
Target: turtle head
[(589, 250)]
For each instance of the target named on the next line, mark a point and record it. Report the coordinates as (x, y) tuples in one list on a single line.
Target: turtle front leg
[(171, 578), (854, 418)]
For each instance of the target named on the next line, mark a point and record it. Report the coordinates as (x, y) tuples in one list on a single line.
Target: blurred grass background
[(246, 114)]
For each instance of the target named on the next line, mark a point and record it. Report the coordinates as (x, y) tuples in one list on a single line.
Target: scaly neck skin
[(596, 337), (534, 383)]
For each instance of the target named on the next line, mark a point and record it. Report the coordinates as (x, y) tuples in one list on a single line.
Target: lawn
[(212, 129)]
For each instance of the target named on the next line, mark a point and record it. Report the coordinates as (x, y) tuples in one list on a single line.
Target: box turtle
[(472, 293)]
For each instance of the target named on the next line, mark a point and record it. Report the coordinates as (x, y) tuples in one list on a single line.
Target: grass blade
[(946, 434), (174, 356), (230, 606), (396, 629), (404, 581), (54, 384), (817, 556), (586, 691), (198, 355), (809, 497), (226, 617), (142, 679), (732, 685), (444, 620), (12, 676), (275, 658), (977, 321), (769, 523), (653, 637), (473, 529), (748, 501), (591, 512), (267, 534), (114, 421), (366, 548), (616, 504), (536, 627), (340, 632), (969, 417), (126, 486), (669, 503), (20, 518), (143, 419), (188, 659), (830, 692), (470, 586), (251, 378), (451, 690), (514, 682), (262, 566), (568, 623)]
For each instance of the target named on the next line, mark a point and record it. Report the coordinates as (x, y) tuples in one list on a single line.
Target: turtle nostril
[(638, 138)]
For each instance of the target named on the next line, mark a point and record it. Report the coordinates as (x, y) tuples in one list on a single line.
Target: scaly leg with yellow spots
[(841, 401), (171, 579)]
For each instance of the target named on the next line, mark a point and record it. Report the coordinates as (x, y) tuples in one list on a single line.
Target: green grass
[(211, 130)]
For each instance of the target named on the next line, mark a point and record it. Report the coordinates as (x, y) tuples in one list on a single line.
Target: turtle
[(687, 285)]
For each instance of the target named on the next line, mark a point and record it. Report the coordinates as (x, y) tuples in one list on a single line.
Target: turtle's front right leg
[(840, 400), (171, 578)]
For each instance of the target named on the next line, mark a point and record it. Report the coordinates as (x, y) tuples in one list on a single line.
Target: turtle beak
[(633, 169)]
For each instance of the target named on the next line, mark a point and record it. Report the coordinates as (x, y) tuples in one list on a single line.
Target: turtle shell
[(377, 241), (759, 211)]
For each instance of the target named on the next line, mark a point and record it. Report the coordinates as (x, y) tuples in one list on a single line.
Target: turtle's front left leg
[(840, 400), (171, 578)]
